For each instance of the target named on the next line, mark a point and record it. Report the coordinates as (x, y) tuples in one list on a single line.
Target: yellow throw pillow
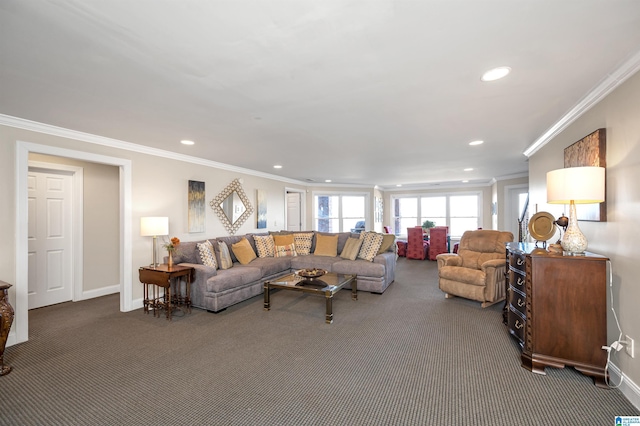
[(243, 251), (283, 240), (326, 245), (351, 248), (387, 242)]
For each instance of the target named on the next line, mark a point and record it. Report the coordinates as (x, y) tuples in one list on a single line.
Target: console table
[(162, 276), (556, 309)]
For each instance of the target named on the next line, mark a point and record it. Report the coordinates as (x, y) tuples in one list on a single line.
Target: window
[(339, 213), (460, 212)]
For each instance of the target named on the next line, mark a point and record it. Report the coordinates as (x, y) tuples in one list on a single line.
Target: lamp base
[(573, 241)]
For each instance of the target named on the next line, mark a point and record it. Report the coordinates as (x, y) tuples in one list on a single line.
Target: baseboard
[(104, 291), (628, 388)]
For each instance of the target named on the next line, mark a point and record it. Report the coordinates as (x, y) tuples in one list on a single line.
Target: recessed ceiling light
[(465, 181), (398, 185), (186, 142), (327, 180), (277, 166), (474, 143), (468, 169), (495, 74)]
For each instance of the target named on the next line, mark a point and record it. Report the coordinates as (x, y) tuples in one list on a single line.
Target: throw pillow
[(243, 251), (284, 251), (264, 245), (283, 240), (303, 242), (351, 248), (207, 254), (225, 256), (371, 242), (387, 242), (326, 245)]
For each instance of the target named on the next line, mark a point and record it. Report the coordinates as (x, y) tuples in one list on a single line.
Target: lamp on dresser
[(152, 227), (575, 185)]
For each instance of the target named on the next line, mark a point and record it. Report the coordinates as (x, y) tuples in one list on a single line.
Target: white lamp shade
[(582, 185), (154, 226)]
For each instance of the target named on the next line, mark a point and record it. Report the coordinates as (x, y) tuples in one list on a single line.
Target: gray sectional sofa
[(216, 289)]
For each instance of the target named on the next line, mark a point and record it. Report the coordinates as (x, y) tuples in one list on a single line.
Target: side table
[(162, 276), (6, 319)]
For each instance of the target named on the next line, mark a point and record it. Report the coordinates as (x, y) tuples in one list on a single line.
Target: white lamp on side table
[(152, 227), (575, 185)]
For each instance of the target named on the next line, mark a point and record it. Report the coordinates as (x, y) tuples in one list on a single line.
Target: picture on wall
[(261, 197), (589, 151), (196, 202)]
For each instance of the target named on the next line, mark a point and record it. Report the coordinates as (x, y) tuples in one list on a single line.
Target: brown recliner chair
[(477, 271)]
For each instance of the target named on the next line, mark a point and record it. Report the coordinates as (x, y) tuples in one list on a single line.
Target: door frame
[(509, 204), (20, 329), (77, 220)]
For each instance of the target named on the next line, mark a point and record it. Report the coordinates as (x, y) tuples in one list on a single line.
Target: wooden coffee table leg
[(267, 302), (354, 290), (329, 315)]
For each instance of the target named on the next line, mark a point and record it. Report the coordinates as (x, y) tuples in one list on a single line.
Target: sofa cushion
[(288, 250), (207, 254), (387, 242), (224, 257), (264, 245), (243, 251), (187, 252), (351, 248), (303, 241), (237, 276), (326, 245), (313, 261), (359, 267), (371, 242), (272, 265)]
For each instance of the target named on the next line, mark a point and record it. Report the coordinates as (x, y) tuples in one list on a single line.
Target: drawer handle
[(519, 262), (521, 303), (520, 281), (519, 325)]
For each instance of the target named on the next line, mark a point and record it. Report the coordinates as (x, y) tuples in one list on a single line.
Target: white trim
[(629, 389), (21, 324), (606, 86), (99, 292), (77, 214), (367, 203)]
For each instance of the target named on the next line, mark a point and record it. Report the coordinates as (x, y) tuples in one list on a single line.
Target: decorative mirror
[(232, 206)]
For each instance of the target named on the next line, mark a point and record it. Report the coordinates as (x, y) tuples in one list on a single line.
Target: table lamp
[(575, 185), (152, 227)]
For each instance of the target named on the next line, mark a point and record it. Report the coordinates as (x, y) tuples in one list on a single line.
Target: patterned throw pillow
[(371, 242), (303, 241), (284, 251), (207, 255), (225, 256), (351, 249), (264, 245)]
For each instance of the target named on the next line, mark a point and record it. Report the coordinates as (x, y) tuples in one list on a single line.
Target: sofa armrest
[(448, 259), (493, 263), (201, 273)]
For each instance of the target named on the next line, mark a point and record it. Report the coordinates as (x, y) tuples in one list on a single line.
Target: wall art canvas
[(262, 208), (196, 203), (589, 151)]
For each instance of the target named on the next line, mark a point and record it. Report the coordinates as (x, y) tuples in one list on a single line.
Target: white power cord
[(618, 344)]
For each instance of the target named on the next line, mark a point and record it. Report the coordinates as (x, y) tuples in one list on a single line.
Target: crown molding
[(48, 129), (606, 86)]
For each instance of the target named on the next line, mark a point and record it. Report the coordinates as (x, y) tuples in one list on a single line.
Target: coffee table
[(326, 285)]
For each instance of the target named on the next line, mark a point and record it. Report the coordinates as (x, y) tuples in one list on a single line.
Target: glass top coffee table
[(326, 285)]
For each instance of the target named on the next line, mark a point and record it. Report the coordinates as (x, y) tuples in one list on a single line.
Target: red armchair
[(417, 247), (438, 241)]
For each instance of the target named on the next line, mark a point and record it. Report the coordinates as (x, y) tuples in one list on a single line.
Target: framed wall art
[(196, 211), (261, 202)]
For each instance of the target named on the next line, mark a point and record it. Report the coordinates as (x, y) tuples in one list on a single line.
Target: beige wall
[(619, 114)]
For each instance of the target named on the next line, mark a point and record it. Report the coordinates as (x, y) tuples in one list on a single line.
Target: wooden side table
[(6, 318), (162, 276)]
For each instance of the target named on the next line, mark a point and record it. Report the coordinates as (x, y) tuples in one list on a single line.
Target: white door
[(516, 197), (294, 212), (50, 239)]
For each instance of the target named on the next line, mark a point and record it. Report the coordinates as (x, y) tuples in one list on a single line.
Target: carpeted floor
[(407, 357)]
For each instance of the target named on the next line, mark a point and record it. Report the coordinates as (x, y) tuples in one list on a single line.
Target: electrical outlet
[(629, 346)]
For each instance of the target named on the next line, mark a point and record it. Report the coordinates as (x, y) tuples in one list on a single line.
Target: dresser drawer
[(517, 300), (517, 261), (517, 281), (516, 324)]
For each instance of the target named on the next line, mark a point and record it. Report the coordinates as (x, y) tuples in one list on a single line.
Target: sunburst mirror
[(232, 206)]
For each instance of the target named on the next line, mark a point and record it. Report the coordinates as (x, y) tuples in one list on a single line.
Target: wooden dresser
[(556, 309)]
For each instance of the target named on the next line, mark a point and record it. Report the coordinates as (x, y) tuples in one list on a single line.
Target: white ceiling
[(378, 92)]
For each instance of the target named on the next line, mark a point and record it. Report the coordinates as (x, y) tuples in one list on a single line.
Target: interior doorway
[(294, 216), (516, 197)]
